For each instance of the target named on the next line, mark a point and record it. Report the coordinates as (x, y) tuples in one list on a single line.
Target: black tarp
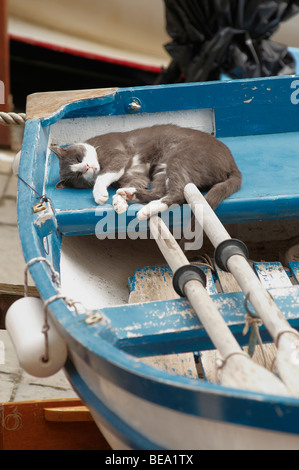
[(210, 37)]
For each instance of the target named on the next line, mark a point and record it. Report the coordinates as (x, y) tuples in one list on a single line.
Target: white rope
[(220, 362), (206, 262), (55, 274), (254, 322), (12, 119), (290, 331)]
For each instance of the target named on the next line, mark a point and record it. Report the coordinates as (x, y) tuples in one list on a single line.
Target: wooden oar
[(237, 370), (285, 337)]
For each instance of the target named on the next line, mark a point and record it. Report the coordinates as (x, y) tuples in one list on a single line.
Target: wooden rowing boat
[(140, 358)]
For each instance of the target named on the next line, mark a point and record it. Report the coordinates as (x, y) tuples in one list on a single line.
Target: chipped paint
[(155, 325), (45, 222), (42, 218)]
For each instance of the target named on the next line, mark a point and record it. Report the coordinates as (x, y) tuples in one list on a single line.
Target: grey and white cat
[(150, 165)]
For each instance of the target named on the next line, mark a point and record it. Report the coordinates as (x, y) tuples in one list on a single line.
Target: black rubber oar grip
[(228, 248), (186, 273)]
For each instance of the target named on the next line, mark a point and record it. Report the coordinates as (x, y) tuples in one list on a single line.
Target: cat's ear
[(59, 151), (60, 185)]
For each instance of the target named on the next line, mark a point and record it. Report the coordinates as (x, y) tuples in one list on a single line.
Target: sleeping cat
[(162, 157)]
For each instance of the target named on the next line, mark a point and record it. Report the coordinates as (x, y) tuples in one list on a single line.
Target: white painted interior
[(78, 130)]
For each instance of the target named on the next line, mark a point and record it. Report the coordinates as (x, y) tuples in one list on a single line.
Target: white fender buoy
[(24, 323)]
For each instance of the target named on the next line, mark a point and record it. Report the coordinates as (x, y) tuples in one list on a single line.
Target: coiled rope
[(12, 119)]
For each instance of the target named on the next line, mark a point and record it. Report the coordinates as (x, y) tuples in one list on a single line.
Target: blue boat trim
[(191, 396), (110, 420), (240, 105)]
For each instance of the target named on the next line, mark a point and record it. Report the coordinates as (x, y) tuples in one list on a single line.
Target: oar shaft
[(258, 296), (212, 226), (237, 369), (169, 248), (239, 267), (197, 295)]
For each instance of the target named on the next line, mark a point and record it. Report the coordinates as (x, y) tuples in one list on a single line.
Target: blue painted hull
[(139, 406)]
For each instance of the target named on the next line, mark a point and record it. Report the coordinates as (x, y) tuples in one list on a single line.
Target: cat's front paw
[(100, 197), (120, 205)]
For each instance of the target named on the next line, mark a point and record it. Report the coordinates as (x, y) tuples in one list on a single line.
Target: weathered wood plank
[(294, 267), (68, 414), (18, 290), (209, 359), (152, 283), (227, 281), (179, 364), (42, 105), (155, 283), (25, 426), (272, 275)]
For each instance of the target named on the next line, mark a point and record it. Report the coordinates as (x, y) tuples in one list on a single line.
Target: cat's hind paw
[(153, 208), (127, 193), (120, 205)]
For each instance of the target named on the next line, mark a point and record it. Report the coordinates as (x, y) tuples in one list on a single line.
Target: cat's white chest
[(138, 166)]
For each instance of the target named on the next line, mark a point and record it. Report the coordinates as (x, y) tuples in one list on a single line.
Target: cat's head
[(78, 165)]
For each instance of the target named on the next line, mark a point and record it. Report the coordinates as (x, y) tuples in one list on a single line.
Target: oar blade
[(242, 373), (287, 361)]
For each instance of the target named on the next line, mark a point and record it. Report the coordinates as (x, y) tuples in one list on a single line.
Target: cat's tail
[(222, 190), (218, 193)]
